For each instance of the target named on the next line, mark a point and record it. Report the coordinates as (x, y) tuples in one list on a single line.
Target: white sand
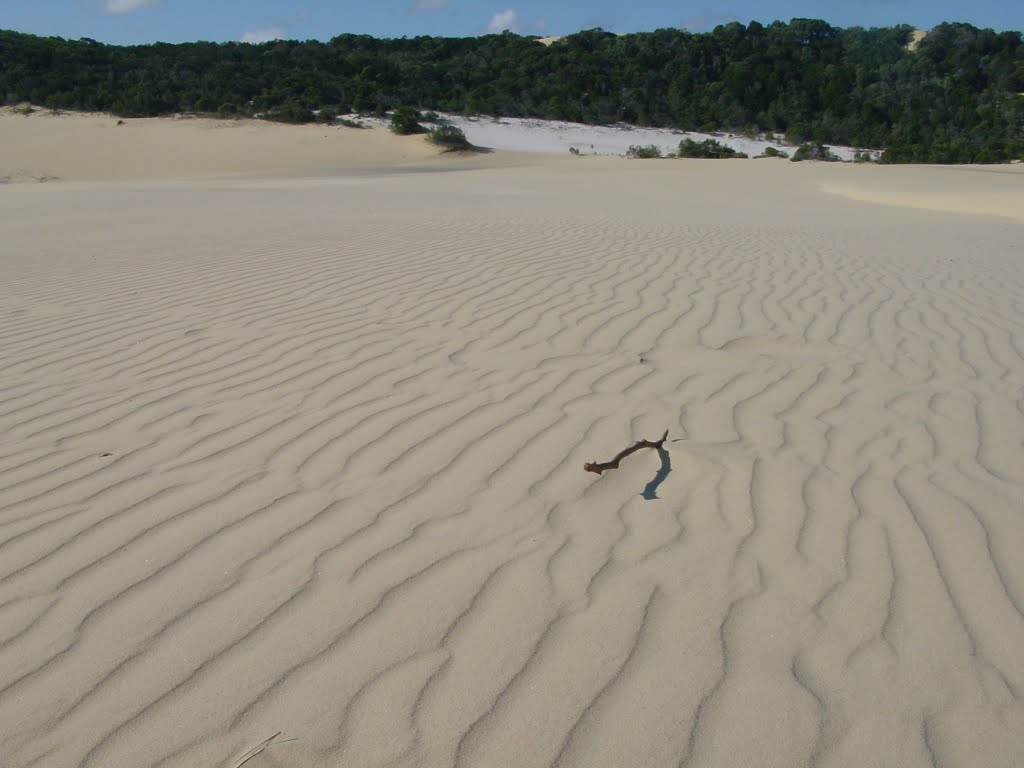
[(303, 454), (557, 136)]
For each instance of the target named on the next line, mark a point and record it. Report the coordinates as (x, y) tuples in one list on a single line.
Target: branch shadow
[(651, 489)]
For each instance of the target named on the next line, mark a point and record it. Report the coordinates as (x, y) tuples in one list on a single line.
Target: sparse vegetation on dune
[(708, 149), (814, 151), (649, 152)]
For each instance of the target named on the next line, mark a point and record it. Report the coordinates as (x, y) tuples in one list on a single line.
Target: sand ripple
[(305, 457)]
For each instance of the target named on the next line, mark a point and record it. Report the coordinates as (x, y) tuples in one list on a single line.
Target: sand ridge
[(95, 147), (304, 455), (999, 192)]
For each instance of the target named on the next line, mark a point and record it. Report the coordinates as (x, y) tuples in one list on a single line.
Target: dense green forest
[(959, 97)]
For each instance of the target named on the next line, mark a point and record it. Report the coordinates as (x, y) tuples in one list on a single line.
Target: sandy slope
[(82, 147), (304, 455), (996, 190)]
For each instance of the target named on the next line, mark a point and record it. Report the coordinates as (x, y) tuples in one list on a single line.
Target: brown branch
[(257, 749), (600, 467)]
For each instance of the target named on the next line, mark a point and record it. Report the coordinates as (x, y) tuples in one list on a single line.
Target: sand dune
[(936, 189), (81, 147), (304, 456)]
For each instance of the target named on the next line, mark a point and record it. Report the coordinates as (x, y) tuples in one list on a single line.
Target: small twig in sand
[(600, 467), (256, 750)]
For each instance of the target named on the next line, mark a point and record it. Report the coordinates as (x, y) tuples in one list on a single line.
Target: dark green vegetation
[(957, 98), (451, 138), (709, 148), (648, 152), (406, 121), (815, 151)]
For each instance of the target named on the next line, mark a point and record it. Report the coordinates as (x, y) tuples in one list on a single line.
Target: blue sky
[(142, 21)]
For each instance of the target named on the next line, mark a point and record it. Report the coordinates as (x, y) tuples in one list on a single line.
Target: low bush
[(406, 121), (709, 148), (649, 152), (773, 152), (326, 115), (815, 151), (451, 138), (290, 113)]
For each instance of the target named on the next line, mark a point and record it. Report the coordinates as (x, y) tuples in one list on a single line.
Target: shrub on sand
[(292, 112), (406, 121), (709, 149), (327, 115), (649, 152), (815, 151), (450, 138)]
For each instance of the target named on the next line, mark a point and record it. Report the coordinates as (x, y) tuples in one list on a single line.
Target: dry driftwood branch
[(600, 467), (257, 749)]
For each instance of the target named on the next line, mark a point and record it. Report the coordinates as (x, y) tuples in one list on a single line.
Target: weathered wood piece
[(600, 467), (257, 749)]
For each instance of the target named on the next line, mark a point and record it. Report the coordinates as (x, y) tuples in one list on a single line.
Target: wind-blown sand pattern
[(305, 456)]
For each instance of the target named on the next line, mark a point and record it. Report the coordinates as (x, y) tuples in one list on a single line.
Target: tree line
[(958, 97)]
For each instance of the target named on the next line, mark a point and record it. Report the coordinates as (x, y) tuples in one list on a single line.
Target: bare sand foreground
[(302, 455)]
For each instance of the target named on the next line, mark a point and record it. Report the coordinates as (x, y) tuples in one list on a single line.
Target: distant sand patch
[(915, 39)]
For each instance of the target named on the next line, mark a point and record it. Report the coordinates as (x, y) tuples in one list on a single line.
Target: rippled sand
[(304, 456)]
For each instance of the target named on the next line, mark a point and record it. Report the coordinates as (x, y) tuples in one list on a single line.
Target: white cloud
[(503, 20), (432, 5), (264, 35), (116, 7), (275, 30)]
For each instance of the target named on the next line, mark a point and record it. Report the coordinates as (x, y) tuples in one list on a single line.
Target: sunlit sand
[(292, 431)]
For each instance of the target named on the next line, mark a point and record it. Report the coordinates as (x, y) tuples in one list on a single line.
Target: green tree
[(954, 99)]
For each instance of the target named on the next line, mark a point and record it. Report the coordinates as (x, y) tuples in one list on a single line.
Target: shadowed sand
[(304, 455)]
